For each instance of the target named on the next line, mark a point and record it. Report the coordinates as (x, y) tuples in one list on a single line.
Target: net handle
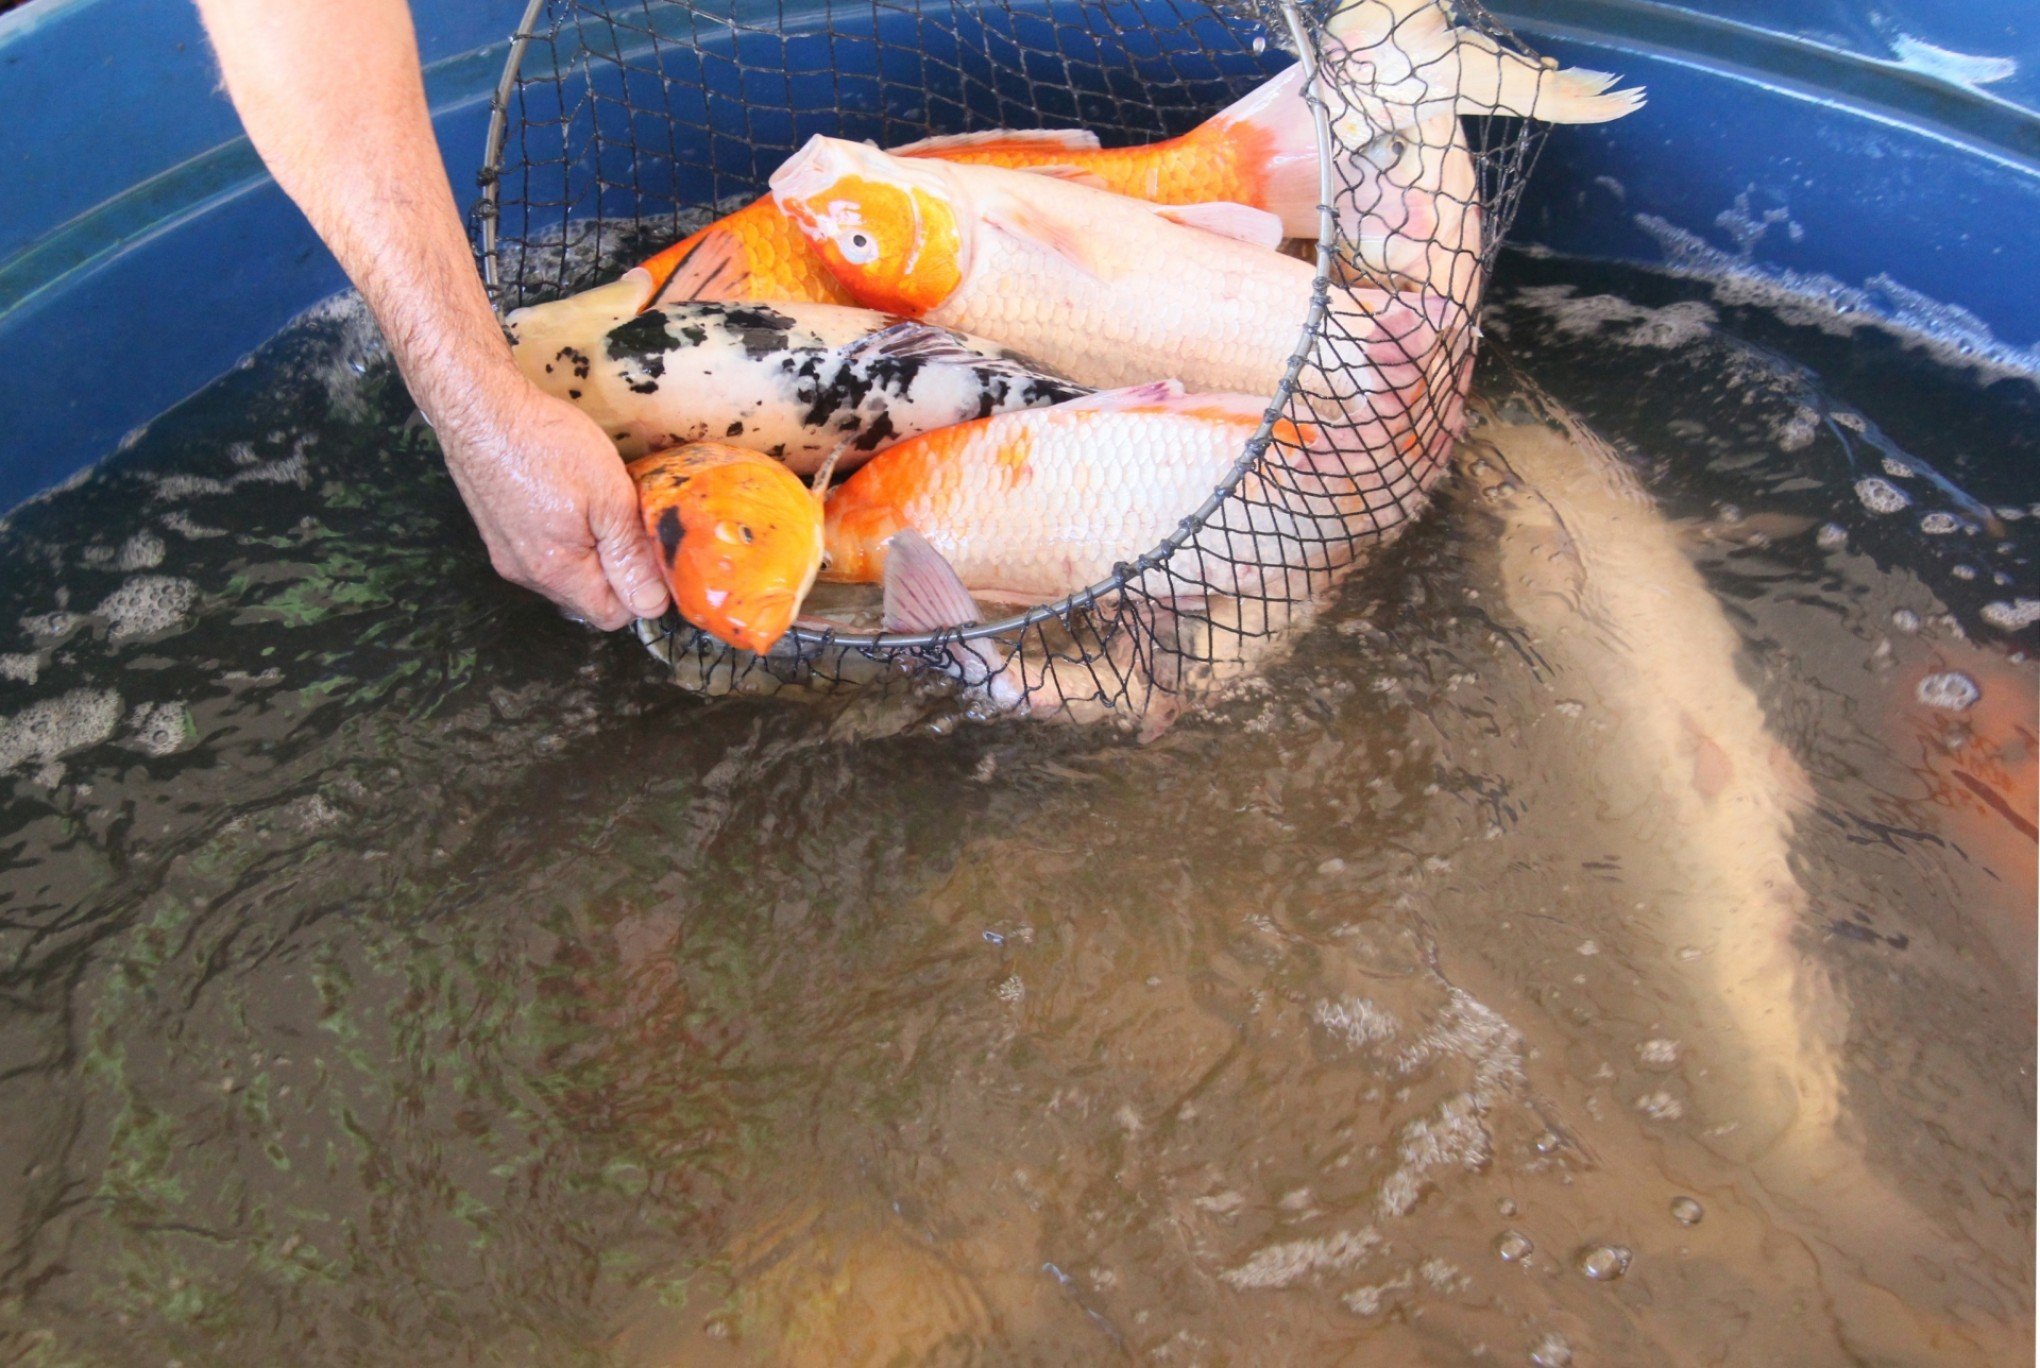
[(492, 148)]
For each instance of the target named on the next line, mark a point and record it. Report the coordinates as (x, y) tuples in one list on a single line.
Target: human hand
[(555, 507)]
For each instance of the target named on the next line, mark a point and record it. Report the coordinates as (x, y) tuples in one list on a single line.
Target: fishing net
[(623, 125)]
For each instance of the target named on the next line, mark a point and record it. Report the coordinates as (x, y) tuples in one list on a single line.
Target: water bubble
[(1552, 1352), (1513, 1246), (1939, 524), (1658, 1054), (1831, 537), (1882, 496), (2012, 616), (1686, 1211), (1963, 572), (1905, 620), (1951, 690), (1507, 1206), (1260, 43), (1603, 1262)]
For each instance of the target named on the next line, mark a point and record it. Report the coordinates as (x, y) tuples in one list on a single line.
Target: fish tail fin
[(711, 264), (1494, 80), (1270, 127)]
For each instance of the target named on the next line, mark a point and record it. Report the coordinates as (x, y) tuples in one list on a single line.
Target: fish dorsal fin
[(908, 340), (922, 592), (714, 267), (992, 139), (1132, 396), (1075, 175), (1241, 222), (1018, 219)]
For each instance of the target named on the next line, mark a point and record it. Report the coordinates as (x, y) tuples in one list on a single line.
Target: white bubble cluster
[(160, 728), (1950, 690), (1355, 1020), (57, 726), (1880, 495), (1282, 1264), (146, 605), (2014, 615), (22, 669)]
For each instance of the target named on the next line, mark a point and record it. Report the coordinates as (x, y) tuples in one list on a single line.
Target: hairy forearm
[(331, 96)]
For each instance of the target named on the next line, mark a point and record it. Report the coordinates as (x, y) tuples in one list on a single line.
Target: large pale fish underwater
[(799, 382)]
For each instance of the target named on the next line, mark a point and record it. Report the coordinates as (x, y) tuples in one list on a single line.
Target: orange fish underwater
[(739, 538)]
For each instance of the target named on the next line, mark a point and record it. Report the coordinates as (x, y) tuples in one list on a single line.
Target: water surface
[(397, 973)]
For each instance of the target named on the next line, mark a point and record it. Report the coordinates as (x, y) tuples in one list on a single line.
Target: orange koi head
[(888, 228), (739, 538)]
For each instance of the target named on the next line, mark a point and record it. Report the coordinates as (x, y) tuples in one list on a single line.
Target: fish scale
[(1035, 505)]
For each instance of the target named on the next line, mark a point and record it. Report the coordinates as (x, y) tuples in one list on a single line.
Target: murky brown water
[(1587, 949)]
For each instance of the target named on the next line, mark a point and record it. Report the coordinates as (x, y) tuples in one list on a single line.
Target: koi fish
[(1260, 151), (1109, 290), (1402, 63), (739, 538), (798, 382), (1036, 505)]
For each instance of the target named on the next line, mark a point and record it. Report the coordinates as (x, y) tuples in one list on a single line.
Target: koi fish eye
[(858, 247)]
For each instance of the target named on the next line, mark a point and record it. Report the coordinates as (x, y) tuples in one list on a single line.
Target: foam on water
[(53, 728), (161, 728), (1950, 334), (146, 606)]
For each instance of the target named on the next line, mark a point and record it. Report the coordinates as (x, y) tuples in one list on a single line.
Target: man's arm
[(332, 97)]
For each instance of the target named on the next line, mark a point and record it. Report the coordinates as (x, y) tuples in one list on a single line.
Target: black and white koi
[(796, 381)]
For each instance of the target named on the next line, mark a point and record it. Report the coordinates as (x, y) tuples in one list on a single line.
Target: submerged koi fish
[(1260, 151), (739, 538), (1032, 506), (799, 382), (1109, 290)]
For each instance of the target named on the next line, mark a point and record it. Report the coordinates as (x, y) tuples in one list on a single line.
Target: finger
[(628, 561), (582, 589)]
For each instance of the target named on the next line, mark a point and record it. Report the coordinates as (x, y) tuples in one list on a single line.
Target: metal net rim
[(1063, 609)]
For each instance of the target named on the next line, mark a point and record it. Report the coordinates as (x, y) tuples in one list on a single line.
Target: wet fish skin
[(797, 382), (1110, 290), (738, 538)]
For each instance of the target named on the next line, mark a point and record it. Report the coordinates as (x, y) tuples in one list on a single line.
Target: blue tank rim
[(1889, 92)]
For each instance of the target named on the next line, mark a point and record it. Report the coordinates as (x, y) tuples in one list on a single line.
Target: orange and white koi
[(1035, 505), (1260, 151), (1108, 290), (739, 538)]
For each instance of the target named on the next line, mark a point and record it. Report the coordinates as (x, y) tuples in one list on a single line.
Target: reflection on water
[(394, 973)]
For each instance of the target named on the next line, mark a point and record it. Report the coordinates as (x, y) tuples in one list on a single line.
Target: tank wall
[(143, 251)]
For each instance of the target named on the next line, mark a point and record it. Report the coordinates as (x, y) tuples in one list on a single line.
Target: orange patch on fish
[(739, 538), (893, 247)]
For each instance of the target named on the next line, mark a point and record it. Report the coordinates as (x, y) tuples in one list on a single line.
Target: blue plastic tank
[(1886, 156)]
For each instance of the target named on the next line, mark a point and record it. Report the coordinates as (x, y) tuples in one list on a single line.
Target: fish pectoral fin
[(913, 341), (714, 267), (922, 592), (1025, 224), (995, 139), (1240, 222)]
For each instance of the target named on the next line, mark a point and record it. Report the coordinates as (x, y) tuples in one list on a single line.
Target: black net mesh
[(625, 125)]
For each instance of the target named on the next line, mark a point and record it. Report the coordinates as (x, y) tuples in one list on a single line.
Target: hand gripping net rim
[(1501, 152)]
